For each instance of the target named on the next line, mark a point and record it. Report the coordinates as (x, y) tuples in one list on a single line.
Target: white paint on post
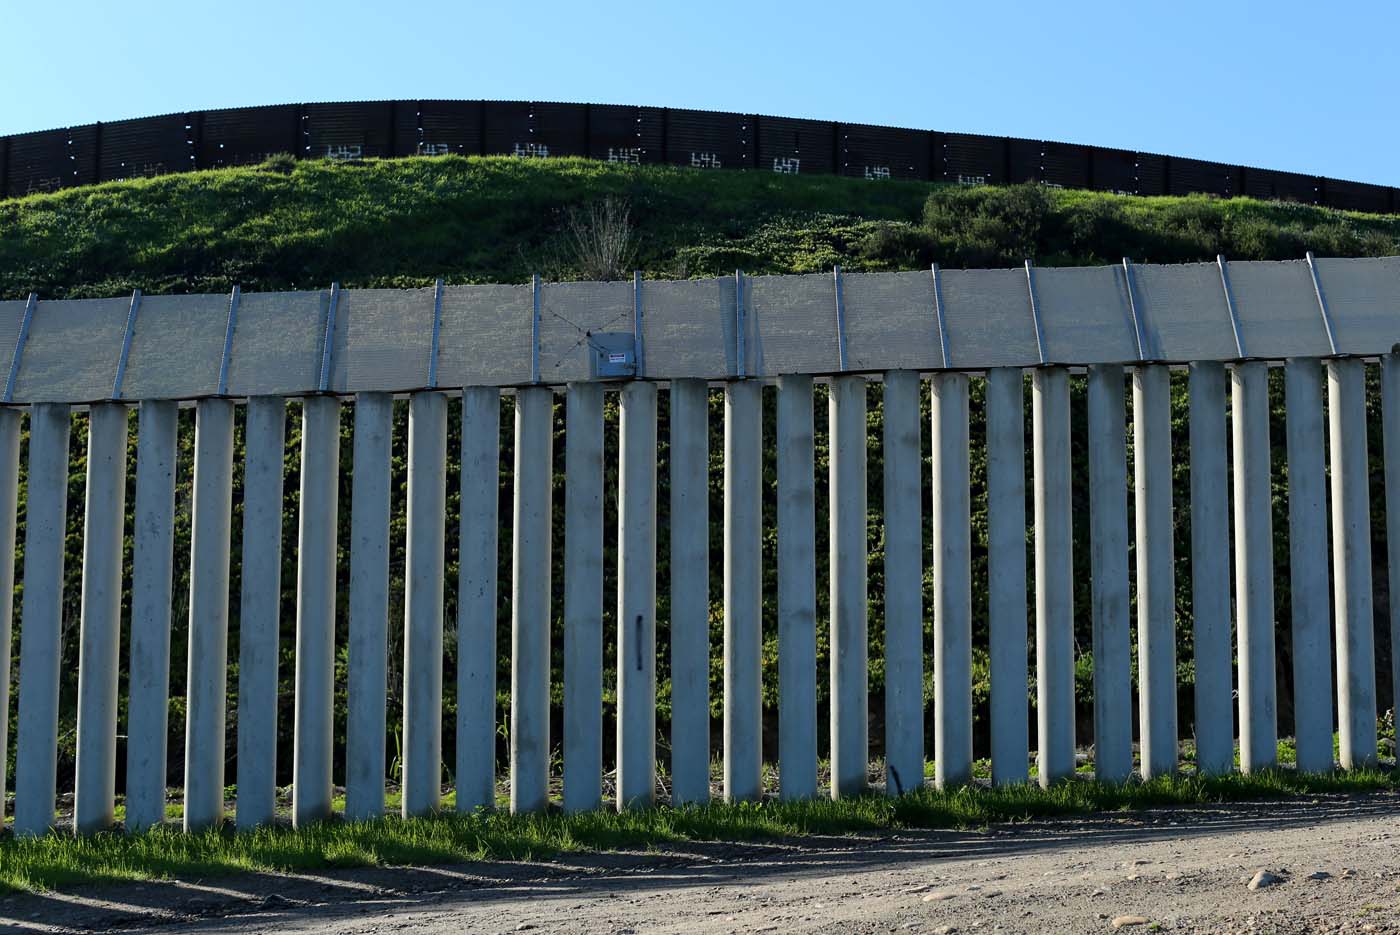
[(1156, 578), (1351, 562), (1308, 577), (1210, 571), (315, 640), (952, 583), (422, 612), (99, 641), (1006, 573), (690, 592), (148, 692), (260, 609), (9, 499), (367, 678), (476, 598), (850, 717), (904, 581), (1108, 572), (636, 597), (207, 671), (743, 591), (583, 598), (797, 589), (1390, 402), (529, 655), (1054, 575), (1254, 566), (40, 650)]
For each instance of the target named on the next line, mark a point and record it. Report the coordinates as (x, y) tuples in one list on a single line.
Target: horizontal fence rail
[(294, 411), (49, 160)]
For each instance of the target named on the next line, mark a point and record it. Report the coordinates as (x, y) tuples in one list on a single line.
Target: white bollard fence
[(756, 630)]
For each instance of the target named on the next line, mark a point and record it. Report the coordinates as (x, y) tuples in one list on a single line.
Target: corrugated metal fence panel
[(563, 128), (41, 162), (1190, 176), (1024, 162), (1114, 170), (277, 344), (1085, 315), (891, 322), (570, 314), (247, 135), (882, 152), (1064, 165), (147, 147), (793, 322), (1183, 312), (1280, 186), (176, 347), (974, 160), (72, 352), (440, 128), (534, 129), (697, 318), (486, 337), (792, 147), (1356, 196), (1363, 299), (630, 135), (709, 140), (988, 317), (1150, 174), (1277, 308), (507, 129), (350, 131), (383, 340)]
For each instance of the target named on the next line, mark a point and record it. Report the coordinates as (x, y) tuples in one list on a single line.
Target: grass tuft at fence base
[(61, 861)]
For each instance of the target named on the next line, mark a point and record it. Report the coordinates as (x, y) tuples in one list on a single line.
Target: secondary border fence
[(934, 332), (52, 159)]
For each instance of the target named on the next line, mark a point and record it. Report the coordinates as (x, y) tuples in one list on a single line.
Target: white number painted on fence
[(877, 172), (531, 150), (43, 185), (433, 149), (344, 152), (632, 156), (706, 161), (789, 166), (972, 180)]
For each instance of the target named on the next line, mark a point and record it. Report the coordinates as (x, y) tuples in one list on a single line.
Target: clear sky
[(1305, 87)]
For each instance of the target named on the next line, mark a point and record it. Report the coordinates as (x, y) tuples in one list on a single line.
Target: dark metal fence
[(54, 159)]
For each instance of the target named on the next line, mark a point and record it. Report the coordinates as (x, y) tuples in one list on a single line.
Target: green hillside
[(288, 224)]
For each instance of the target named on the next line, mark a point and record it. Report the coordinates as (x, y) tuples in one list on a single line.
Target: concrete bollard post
[(1351, 562), (1054, 575), (952, 583), (207, 671), (1006, 571), (367, 678), (148, 692), (530, 592), (583, 598), (1108, 559), (260, 609), (690, 592), (315, 639), (422, 639), (40, 652), (636, 597), (99, 641), (1390, 403), (850, 750), (1254, 566), (904, 582), (1156, 578), (743, 595), (9, 500), (476, 598), (1210, 571), (797, 589), (1308, 579)]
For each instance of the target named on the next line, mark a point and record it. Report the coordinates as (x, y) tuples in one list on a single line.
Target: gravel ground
[(1335, 863)]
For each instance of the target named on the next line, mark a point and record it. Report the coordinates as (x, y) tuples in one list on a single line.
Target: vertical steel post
[(1156, 579), (743, 595), (797, 590), (904, 582), (849, 715), (583, 598), (9, 500), (952, 582), (1054, 575), (1006, 573), (636, 597), (1390, 416), (476, 598), (530, 593), (690, 591)]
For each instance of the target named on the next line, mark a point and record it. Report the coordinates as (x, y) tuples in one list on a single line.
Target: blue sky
[(1282, 85)]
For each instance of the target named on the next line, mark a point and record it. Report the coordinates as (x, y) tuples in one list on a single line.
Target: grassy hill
[(288, 224)]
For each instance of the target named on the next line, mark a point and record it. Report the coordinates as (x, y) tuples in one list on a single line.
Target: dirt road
[(1338, 860)]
